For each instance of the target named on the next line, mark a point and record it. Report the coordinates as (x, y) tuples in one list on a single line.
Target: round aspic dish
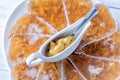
[(33, 22)]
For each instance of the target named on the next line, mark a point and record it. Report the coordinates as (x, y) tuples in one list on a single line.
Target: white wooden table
[(6, 7)]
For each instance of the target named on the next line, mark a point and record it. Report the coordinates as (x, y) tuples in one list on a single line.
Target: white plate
[(19, 11)]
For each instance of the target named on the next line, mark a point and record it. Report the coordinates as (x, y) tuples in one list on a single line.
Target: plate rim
[(3, 38)]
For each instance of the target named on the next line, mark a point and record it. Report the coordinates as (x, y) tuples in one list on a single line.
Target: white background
[(6, 7)]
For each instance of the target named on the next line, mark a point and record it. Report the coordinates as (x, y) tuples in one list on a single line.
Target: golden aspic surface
[(96, 58), (27, 35), (60, 13)]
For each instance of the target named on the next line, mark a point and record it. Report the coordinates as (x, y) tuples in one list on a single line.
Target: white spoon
[(77, 29)]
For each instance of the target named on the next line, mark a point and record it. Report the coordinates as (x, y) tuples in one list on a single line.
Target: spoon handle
[(91, 14), (34, 60), (87, 19)]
